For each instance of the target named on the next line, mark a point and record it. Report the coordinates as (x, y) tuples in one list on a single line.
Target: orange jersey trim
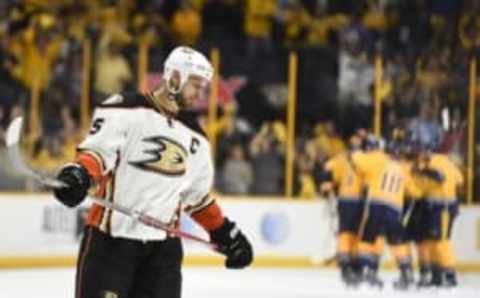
[(210, 217), (96, 212), (95, 215), (92, 164)]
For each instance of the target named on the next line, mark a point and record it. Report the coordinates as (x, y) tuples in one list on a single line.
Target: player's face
[(192, 90)]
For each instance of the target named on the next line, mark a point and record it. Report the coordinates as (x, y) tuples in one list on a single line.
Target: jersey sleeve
[(196, 196), (330, 167), (458, 175), (107, 136), (360, 162), (412, 188)]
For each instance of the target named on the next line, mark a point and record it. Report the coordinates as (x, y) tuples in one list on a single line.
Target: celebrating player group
[(403, 192)]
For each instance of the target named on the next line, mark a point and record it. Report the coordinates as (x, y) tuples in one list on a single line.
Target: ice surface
[(221, 283)]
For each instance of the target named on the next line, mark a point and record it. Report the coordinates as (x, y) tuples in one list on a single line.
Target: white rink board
[(466, 234), (280, 228), (25, 230), (37, 225)]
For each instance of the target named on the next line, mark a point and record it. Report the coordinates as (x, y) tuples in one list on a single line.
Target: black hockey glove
[(78, 182), (233, 244)]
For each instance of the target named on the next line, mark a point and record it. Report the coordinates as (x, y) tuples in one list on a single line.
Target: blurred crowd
[(425, 45)]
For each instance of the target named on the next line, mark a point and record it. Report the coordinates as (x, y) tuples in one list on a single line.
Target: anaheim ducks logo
[(168, 157)]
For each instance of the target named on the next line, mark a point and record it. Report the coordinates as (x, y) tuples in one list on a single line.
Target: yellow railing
[(213, 101), (472, 94), (85, 97), (377, 126), (35, 109), (291, 108), (142, 66)]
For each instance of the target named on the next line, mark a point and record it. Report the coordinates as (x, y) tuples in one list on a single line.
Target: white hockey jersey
[(154, 164)]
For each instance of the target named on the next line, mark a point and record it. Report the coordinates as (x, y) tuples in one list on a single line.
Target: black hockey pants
[(110, 267)]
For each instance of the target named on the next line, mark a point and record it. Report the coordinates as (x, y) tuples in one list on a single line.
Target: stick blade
[(14, 131)]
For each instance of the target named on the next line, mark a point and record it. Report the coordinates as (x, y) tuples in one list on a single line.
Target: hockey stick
[(333, 225), (325, 256), (14, 133), (151, 221), (408, 214), (363, 221)]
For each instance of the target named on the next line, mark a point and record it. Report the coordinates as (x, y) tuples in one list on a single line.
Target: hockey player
[(140, 154), (339, 174), (444, 179), (386, 182), (415, 218), (370, 143)]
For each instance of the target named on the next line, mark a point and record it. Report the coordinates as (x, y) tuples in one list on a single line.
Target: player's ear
[(174, 82)]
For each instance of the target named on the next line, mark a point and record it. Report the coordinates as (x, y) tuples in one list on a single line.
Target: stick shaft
[(150, 221)]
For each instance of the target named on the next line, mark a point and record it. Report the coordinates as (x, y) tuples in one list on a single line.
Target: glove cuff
[(82, 172), (225, 233)]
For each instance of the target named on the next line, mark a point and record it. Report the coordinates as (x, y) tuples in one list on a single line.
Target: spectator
[(186, 24), (415, 29), (431, 74), (327, 140), (231, 129), (355, 79), (113, 73), (406, 100), (16, 111), (237, 173), (258, 26), (50, 114), (375, 18), (297, 22), (469, 30), (49, 154), (323, 25), (10, 89), (36, 49), (267, 156), (305, 163), (453, 142), (425, 126)]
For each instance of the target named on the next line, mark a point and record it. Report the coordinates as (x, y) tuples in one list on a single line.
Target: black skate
[(405, 281), (350, 278), (449, 279), (371, 278), (436, 280), (424, 281)]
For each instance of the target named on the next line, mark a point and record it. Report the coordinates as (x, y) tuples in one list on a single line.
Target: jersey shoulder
[(396, 165), (331, 163), (126, 100), (360, 157), (406, 165), (338, 161), (189, 120), (441, 162), (380, 158)]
